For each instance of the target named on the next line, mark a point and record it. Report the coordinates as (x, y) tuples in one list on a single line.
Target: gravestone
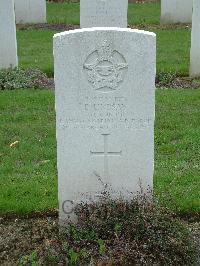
[(176, 11), (30, 11), (103, 13), (8, 43), (105, 82), (195, 41)]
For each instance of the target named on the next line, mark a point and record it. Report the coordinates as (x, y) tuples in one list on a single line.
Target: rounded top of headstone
[(99, 29)]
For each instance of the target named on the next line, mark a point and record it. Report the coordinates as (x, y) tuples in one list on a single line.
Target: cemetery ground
[(28, 144)]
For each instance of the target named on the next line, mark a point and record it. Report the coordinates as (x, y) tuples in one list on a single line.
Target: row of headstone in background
[(105, 85), (172, 11), (185, 11), (8, 43), (176, 11), (195, 41), (30, 11)]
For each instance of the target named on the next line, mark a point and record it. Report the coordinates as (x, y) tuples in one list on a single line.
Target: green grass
[(145, 14), (70, 13), (35, 49), (177, 171), (173, 50), (63, 13), (28, 171), (173, 46)]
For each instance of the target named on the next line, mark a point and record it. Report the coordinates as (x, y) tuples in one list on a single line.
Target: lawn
[(173, 47), (28, 170), (35, 49)]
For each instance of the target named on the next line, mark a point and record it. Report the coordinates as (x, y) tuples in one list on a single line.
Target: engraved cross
[(106, 154)]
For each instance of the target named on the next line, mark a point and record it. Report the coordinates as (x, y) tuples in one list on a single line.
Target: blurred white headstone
[(176, 11), (30, 11), (195, 41), (8, 43), (103, 13)]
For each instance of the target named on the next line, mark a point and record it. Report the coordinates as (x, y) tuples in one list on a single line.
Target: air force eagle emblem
[(105, 68)]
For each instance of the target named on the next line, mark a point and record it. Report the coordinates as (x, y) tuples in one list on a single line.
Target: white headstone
[(176, 11), (103, 13), (195, 42), (30, 11), (105, 82), (8, 43)]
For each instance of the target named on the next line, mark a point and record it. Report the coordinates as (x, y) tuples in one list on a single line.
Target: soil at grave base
[(67, 27), (21, 236)]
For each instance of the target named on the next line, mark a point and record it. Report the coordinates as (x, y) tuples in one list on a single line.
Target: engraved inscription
[(105, 112), (104, 107), (106, 124), (105, 68), (106, 154)]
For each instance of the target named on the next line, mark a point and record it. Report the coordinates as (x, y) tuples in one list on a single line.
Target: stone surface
[(103, 13), (8, 43), (105, 82), (195, 41), (30, 11), (176, 11)]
